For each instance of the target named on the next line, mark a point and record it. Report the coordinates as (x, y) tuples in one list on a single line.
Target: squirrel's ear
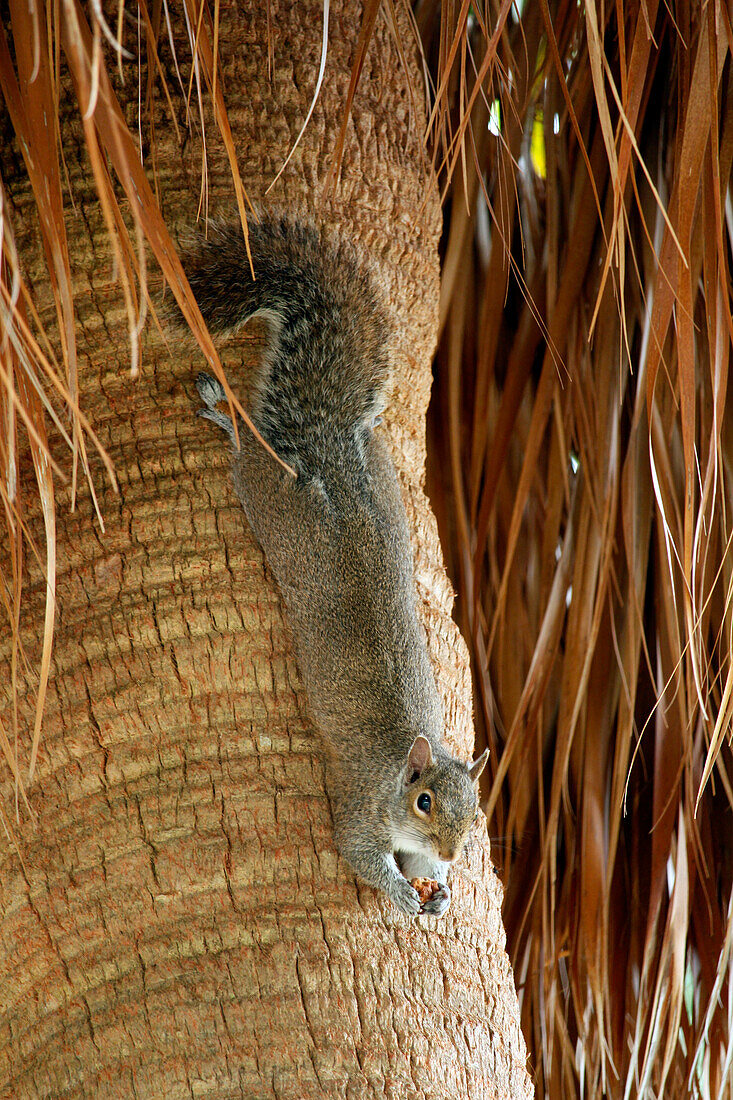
[(419, 758), (478, 766)]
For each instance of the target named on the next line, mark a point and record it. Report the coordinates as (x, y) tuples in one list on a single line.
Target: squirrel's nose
[(448, 855)]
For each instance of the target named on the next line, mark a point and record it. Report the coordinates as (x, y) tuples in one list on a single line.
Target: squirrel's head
[(439, 802)]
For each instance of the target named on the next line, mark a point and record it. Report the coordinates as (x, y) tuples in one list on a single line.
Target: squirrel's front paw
[(439, 902), (405, 897)]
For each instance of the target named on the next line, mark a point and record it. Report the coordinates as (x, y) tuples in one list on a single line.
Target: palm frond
[(581, 460), (583, 417)]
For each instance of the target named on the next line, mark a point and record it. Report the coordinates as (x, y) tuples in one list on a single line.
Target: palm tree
[(175, 919)]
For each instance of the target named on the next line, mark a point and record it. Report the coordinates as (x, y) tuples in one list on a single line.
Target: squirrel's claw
[(211, 393), (406, 898), (438, 904), (210, 389)]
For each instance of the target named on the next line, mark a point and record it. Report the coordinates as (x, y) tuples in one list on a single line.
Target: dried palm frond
[(581, 408), (582, 417), (38, 366)]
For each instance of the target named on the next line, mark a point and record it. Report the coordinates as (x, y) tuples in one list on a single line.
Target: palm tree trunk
[(178, 923)]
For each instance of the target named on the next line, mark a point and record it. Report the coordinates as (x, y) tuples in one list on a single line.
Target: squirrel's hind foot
[(211, 393), (210, 389)]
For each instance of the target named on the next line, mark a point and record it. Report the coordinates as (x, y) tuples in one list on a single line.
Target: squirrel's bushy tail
[(326, 368)]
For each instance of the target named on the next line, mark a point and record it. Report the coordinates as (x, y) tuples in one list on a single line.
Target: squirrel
[(337, 541)]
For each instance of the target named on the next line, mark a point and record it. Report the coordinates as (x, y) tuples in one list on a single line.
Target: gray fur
[(337, 541)]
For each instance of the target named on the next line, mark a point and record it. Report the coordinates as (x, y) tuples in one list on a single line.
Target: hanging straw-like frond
[(35, 385), (585, 421)]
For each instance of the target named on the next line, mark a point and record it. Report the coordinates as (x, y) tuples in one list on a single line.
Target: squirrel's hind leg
[(211, 393)]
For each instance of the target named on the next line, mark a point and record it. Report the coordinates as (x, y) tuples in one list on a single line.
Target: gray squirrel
[(337, 541)]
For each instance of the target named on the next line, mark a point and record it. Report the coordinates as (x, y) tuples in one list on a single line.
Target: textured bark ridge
[(180, 924)]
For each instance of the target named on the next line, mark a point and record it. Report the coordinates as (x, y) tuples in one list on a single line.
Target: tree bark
[(179, 924)]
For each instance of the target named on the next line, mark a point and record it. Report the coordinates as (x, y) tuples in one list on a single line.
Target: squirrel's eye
[(423, 803)]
